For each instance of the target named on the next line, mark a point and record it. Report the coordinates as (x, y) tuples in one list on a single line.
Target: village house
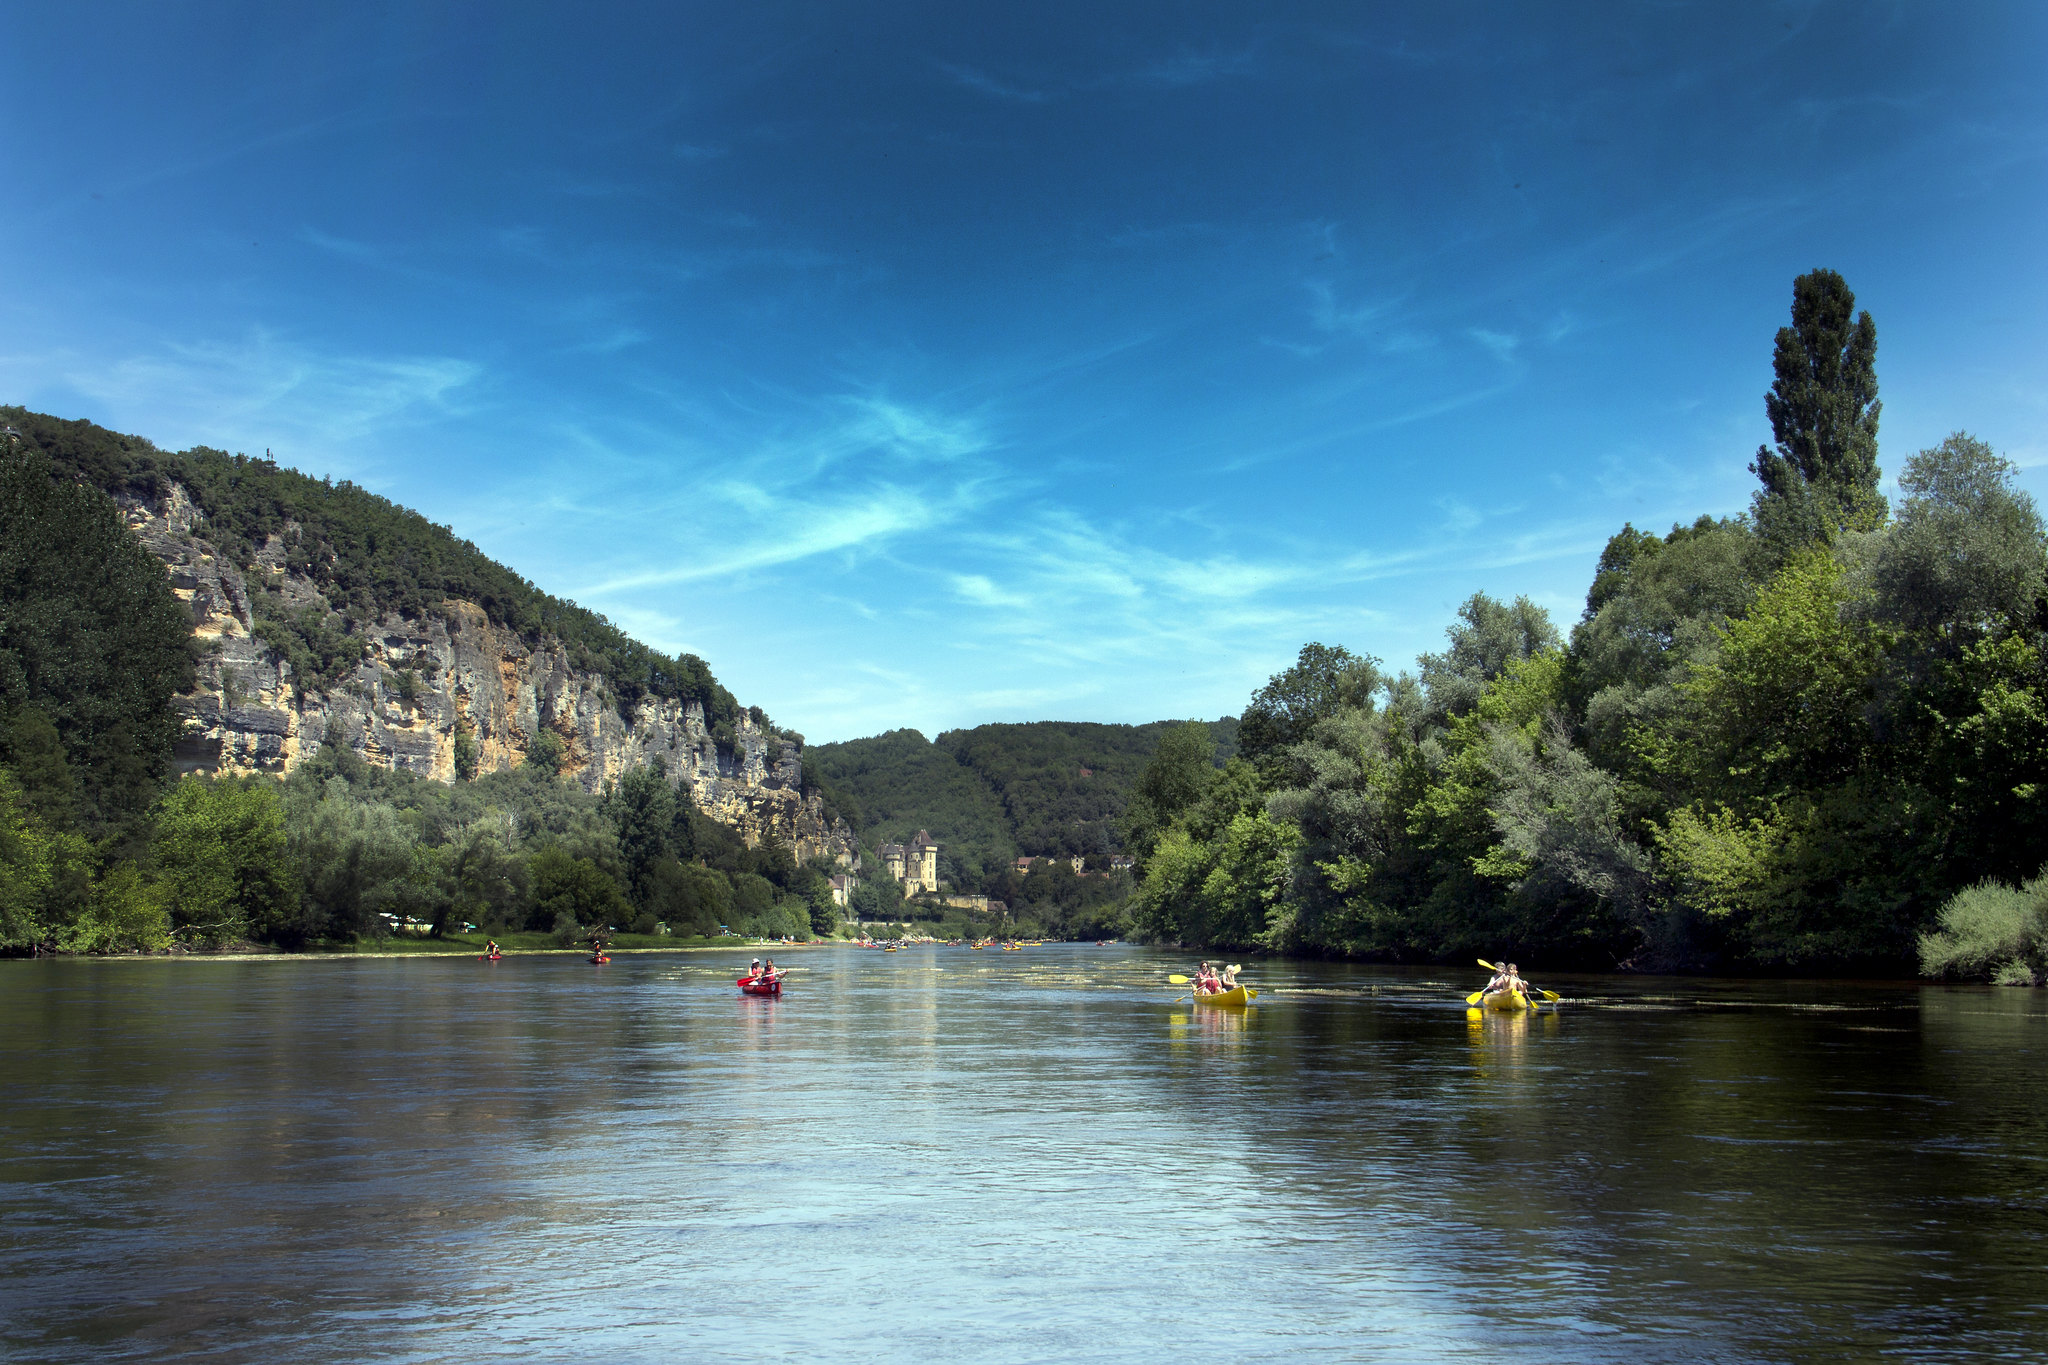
[(843, 888)]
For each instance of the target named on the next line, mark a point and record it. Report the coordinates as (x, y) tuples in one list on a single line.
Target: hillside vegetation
[(996, 792), (100, 852), (368, 556)]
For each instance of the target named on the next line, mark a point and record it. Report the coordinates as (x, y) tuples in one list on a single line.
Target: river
[(1037, 1155)]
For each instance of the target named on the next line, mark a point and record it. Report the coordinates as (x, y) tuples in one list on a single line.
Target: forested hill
[(995, 792), (368, 555)]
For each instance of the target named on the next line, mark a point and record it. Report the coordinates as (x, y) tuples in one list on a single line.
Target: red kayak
[(600, 961), (754, 985), (490, 957)]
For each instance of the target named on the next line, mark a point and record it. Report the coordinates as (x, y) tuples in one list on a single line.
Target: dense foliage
[(1804, 738), (996, 792), (93, 646), (367, 555), (339, 851)]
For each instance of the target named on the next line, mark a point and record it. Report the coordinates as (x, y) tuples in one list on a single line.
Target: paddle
[(1473, 999), (1177, 979)]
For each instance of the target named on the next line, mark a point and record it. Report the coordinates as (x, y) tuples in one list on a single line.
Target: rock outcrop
[(423, 684)]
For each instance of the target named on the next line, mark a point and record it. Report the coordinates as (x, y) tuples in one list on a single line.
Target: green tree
[(1182, 770), (91, 635), (356, 860), (1823, 407), (1487, 638), (642, 808), (225, 863), (1323, 678), (1966, 557), (1789, 826), (546, 752), (44, 875), (565, 885)]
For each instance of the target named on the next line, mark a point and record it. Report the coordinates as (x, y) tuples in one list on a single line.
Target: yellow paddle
[(1177, 979), (1473, 998)]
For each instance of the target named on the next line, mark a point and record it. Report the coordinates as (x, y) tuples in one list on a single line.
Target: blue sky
[(938, 364)]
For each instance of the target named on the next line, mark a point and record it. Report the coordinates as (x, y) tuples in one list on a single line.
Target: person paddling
[(490, 947), (1508, 978), (768, 972), (754, 971)]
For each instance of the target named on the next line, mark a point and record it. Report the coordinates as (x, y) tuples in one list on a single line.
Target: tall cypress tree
[(1822, 477)]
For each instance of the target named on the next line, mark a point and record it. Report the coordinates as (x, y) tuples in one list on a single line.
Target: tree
[(91, 635), (356, 861), (1182, 769), (546, 752), (220, 845), (1966, 557), (1282, 712), (1823, 407), (566, 887), (642, 808), (1486, 640)]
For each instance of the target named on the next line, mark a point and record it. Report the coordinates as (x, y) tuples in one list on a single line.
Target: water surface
[(1007, 1156)]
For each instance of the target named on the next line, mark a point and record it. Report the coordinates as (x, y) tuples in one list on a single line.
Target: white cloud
[(264, 390)]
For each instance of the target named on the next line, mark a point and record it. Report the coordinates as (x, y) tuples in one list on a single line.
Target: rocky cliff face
[(422, 683)]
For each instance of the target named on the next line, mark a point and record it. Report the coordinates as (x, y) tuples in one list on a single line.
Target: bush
[(1991, 932)]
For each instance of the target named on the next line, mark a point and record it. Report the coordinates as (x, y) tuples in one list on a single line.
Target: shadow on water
[(1008, 1156)]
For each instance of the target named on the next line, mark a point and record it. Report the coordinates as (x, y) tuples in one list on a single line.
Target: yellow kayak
[(1505, 1001), (1239, 995)]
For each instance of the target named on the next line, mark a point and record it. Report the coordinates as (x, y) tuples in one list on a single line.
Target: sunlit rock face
[(466, 676)]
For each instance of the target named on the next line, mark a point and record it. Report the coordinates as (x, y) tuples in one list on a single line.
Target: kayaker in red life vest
[(754, 972), (768, 972), (490, 947)]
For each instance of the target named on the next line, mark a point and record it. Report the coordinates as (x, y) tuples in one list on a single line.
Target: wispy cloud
[(262, 390), (981, 82), (780, 529), (914, 433), (1189, 68), (1503, 345)]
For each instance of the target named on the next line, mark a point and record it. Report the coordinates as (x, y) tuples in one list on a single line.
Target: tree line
[(1814, 736)]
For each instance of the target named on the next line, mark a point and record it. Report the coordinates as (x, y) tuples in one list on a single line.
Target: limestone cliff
[(423, 682)]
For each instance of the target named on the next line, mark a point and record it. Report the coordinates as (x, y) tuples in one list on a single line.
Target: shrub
[(1991, 932)]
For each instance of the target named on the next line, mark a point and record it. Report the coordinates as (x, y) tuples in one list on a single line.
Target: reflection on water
[(1039, 1155)]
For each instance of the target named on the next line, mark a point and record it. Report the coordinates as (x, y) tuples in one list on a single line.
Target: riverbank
[(457, 945)]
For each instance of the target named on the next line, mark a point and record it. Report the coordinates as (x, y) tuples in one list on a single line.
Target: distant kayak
[(490, 957), (600, 961), (754, 985), (1236, 995), (1505, 1002)]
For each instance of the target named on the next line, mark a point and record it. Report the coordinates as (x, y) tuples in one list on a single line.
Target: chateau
[(915, 864)]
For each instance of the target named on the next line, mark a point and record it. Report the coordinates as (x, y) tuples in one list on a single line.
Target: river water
[(949, 1154)]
